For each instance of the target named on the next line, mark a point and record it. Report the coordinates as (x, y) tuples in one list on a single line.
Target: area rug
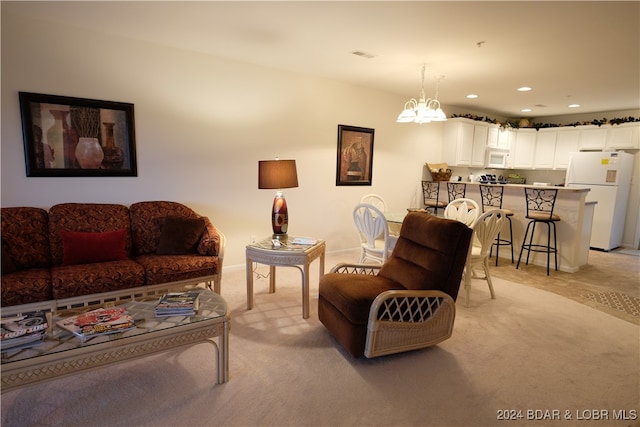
[(528, 357), (617, 300)]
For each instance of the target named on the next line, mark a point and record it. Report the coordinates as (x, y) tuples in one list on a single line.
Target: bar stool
[(492, 199), (540, 204), (456, 190), (431, 194)]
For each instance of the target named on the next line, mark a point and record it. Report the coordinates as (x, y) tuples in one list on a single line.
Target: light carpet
[(527, 350)]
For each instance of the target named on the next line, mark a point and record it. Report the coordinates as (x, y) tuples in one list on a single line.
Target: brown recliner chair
[(409, 301)]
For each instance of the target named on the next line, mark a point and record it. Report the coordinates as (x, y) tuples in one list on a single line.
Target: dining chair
[(375, 200), (373, 230), (463, 210), (431, 196), (485, 230)]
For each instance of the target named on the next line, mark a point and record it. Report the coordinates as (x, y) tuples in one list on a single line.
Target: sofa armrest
[(345, 268), (212, 241)]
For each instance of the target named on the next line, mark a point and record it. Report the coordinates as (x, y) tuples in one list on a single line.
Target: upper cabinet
[(592, 137), (524, 148), (567, 142), (498, 137), (545, 148), (464, 142), (624, 136)]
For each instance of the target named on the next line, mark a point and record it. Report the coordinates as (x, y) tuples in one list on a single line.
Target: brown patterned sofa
[(78, 249)]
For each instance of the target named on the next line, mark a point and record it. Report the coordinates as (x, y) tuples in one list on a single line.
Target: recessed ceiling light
[(573, 105), (526, 110), (472, 96), (524, 89)]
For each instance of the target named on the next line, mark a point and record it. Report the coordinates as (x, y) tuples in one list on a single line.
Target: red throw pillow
[(85, 248)]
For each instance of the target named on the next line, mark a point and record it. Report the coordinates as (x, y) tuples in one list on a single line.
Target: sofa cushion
[(86, 217), (171, 268), (26, 286), (85, 279), (85, 247), (180, 235), (8, 266), (25, 237)]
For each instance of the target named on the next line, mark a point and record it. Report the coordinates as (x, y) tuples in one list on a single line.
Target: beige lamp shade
[(276, 174)]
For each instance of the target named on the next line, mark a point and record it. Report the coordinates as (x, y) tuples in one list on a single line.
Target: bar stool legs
[(548, 249), (503, 242)]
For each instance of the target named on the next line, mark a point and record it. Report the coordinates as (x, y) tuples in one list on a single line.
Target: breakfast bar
[(574, 228)]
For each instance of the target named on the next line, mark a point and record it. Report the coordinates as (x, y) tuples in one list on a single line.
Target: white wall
[(202, 123)]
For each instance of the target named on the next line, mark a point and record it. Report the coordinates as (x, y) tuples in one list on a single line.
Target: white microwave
[(497, 158)]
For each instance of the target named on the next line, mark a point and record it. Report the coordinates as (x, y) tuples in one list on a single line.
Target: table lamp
[(278, 174)]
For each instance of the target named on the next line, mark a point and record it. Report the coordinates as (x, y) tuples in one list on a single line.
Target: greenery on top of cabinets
[(518, 123)]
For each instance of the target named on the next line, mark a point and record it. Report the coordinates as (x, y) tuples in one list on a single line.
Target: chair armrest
[(409, 306), (212, 240), (368, 269)]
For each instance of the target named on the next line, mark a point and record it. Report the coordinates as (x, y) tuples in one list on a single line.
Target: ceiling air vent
[(363, 54)]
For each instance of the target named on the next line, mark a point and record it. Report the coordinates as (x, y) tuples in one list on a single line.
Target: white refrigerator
[(608, 175)]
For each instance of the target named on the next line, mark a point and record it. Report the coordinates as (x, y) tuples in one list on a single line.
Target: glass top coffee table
[(62, 353), (287, 254)]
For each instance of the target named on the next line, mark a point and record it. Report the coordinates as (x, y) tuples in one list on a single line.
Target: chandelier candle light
[(423, 111), (278, 174)]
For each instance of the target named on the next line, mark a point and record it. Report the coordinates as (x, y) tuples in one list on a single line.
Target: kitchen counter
[(574, 229)]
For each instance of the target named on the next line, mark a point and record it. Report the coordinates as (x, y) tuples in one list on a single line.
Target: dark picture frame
[(65, 136), (355, 155)]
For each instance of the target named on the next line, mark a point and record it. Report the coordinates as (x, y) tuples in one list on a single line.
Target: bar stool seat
[(540, 204), (492, 199)]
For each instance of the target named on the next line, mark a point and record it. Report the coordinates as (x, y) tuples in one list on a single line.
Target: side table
[(287, 255)]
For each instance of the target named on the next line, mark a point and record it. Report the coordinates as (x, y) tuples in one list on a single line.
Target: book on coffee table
[(177, 304), (23, 330), (101, 321)]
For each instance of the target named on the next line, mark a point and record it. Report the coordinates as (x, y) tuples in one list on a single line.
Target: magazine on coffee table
[(177, 304), (23, 330), (101, 321)]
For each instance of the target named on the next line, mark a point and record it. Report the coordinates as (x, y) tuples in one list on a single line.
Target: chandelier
[(423, 111)]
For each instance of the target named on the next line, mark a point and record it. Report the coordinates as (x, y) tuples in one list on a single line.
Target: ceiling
[(568, 52)]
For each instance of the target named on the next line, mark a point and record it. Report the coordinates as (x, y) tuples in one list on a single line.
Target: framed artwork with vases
[(66, 136), (355, 155)]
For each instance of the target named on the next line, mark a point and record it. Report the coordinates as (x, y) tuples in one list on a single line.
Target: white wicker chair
[(375, 243), (375, 200), (485, 230), (463, 210)]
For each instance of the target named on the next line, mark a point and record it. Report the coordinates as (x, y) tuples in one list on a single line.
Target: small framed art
[(65, 136), (355, 155)]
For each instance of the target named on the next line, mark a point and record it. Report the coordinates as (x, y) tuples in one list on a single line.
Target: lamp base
[(279, 217)]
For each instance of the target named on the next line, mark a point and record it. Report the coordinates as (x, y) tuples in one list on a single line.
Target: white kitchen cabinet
[(545, 148), (567, 142), (457, 147), (524, 148), (593, 137), (624, 136), (480, 134), (498, 137)]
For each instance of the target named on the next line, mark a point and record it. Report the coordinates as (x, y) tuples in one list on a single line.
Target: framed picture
[(355, 155), (66, 136)]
